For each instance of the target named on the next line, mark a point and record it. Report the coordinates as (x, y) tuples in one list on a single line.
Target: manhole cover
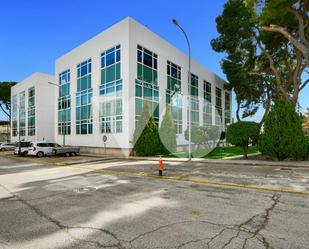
[(285, 169), (83, 190)]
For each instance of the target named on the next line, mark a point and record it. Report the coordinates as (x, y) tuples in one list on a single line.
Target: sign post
[(104, 141)]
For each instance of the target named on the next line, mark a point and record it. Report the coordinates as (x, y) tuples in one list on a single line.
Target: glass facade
[(31, 111), (111, 90), (173, 96), (227, 109), (146, 85), (84, 120), (111, 82), (207, 110), (111, 116), (64, 103), (219, 107), (14, 116), (22, 114), (194, 101)]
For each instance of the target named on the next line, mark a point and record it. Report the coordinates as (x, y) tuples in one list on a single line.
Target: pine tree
[(283, 135), (146, 138), (167, 132)]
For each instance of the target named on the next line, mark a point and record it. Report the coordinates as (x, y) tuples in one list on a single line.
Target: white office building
[(103, 85), (105, 81), (33, 105)]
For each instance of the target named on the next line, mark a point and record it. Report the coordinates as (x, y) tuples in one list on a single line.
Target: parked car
[(65, 151), (7, 147), (41, 149), (24, 146)]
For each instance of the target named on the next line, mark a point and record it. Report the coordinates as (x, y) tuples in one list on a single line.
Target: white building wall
[(140, 35), (128, 33), (44, 106), (118, 34)]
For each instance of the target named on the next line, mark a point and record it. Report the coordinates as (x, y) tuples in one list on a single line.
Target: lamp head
[(175, 22)]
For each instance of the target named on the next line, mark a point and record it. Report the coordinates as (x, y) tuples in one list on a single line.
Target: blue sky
[(34, 32)]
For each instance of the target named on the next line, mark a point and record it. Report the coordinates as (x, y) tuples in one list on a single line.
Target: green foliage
[(167, 132), (5, 96), (201, 135), (238, 41), (283, 135), (262, 62), (242, 133), (146, 138), (198, 136)]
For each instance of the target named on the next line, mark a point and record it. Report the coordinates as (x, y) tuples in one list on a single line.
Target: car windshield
[(23, 144)]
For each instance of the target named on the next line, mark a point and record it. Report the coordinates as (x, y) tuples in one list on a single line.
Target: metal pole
[(63, 130), (189, 86), (19, 145), (66, 116)]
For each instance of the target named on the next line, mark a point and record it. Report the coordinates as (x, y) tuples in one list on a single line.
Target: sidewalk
[(231, 161)]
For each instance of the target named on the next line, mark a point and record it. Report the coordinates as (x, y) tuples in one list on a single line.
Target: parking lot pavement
[(44, 206), (279, 178), (56, 160)]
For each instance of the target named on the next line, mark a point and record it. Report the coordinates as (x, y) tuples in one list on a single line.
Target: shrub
[(283, 135), (242, 133), (167, 132), (146, 138)]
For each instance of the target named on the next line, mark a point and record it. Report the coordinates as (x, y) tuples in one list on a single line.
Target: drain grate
[(285, 169)]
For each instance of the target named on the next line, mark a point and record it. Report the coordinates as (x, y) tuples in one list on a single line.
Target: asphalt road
[(44, 206)]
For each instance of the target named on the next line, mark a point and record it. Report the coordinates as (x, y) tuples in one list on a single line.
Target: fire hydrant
[(161, 167)]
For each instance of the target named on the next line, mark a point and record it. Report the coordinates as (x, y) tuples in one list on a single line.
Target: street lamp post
[(189, 85), (65, 130)]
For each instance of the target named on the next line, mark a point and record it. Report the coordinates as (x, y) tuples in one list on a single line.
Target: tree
[(283, 135), (202, 135), (198, 135), (146, 138), (261, 66), (289, 18), (5, 97), (167, 132), (242, 133)]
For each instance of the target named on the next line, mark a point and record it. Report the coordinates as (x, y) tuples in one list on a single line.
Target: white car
[(41, 149), (6, 146), (24, 146)]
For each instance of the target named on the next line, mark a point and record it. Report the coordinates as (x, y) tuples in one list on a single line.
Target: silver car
[(6, 147)]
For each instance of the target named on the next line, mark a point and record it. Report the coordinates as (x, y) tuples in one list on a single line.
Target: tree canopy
[(263, 64), (5, 97)]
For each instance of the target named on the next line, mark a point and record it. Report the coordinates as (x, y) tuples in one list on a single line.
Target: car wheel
[(74, 154), (25, 153), (54, 152), (67, 154), (40, 154), (1, 149)]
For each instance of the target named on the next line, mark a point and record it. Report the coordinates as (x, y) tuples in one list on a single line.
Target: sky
[(34, 32)]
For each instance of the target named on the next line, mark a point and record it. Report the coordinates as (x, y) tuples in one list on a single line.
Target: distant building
[(5, 131), (32, 108)]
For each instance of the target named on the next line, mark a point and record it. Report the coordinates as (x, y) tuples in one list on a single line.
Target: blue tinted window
[(110, 59), (118, 55), (84, 70)]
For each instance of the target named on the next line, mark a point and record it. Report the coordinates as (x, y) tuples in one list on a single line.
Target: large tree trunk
[(301, 44), (237, 111), (245, 152)]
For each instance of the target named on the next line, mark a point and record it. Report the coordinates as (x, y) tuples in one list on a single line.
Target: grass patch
[(216, 153)]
